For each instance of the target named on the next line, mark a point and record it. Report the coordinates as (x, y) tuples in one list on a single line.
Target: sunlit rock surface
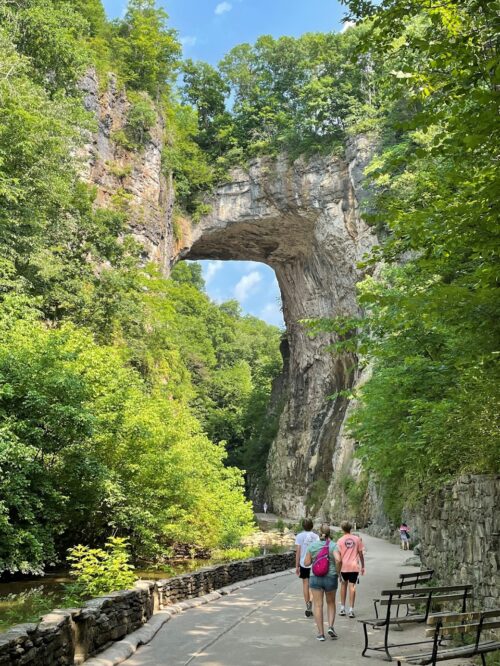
[(303, 220), (300, 218)]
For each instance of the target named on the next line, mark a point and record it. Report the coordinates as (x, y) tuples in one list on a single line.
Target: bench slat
[(449, 653), (426, 572), (381, 621), (465, 628), (447, 618), (405, 602), (407, 583), (422, 600), (416, 590)]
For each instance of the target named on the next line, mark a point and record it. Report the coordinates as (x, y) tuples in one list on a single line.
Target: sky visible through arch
[(208, 29)]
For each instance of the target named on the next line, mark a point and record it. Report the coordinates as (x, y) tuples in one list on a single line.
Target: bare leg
[(352, 594), (343, 592), (305, 590), (330, 605), (317, 596)]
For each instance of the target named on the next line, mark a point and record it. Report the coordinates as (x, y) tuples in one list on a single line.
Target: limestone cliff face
[(300, 218), (129, 179)]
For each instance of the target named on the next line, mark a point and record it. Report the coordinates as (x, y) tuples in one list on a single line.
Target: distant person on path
[(353, 562), (404, 534), (324, 586), (265, 507), (302, 542)]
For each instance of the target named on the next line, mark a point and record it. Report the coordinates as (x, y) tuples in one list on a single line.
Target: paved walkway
[(264, 624)]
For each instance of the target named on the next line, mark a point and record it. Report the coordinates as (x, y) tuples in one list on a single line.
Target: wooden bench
[(449, 625), (427, 597), (410, 580)]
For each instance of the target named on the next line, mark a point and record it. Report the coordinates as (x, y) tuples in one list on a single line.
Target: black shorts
[(305, 572), (350, 576)]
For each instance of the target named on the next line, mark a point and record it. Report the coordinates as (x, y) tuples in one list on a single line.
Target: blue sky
[(208, 29)]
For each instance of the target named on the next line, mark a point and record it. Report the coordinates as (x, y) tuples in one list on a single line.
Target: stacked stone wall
[(458, 530), (69, 636)]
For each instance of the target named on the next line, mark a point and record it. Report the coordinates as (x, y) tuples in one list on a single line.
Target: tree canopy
[(430, 410), (125, 397)]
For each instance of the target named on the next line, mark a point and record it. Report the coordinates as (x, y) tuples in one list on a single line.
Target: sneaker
[(332, 633), (320, 637), (351, 612), (342, 610), (309, 612)]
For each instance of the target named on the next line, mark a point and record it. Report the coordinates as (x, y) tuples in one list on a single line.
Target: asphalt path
[(264, 624)]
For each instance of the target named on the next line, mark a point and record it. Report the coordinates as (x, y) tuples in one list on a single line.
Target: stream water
[(26, 600)]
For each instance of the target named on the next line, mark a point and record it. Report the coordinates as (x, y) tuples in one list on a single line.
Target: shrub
[(141, 117), (100, 571)]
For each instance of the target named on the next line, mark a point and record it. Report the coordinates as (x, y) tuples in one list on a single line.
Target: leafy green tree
[(50, 33), (146, 48), (206, 89), (110, 376), (297, 94), (94, 14), (430, 411)]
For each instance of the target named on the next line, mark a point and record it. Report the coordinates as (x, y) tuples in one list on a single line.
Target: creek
[(28, 599)]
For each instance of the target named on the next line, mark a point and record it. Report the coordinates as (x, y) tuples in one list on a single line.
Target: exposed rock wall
[(69, 636), (126, 179), (300, 218), (459, 533)]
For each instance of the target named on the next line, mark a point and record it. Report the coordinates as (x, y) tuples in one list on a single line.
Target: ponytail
[(324, 531)]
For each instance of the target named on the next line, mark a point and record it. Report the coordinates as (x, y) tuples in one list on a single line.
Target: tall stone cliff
[(302, 218)]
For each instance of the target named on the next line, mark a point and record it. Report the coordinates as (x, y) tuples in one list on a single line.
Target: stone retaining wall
[(459, 534), (68, 636)]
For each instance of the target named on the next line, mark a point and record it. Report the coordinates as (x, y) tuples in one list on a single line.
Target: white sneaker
[(351, 612), (342, 610)]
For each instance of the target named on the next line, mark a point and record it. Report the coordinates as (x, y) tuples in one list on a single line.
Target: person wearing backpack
[(324, 557)]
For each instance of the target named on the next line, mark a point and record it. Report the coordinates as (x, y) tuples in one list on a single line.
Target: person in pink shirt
[(353, 562)]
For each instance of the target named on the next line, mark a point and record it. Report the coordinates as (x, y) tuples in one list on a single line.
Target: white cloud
[(211, 268), (272, 314), (188, 40), (223, 7), (247, 285), (347, 25), (247, 266)]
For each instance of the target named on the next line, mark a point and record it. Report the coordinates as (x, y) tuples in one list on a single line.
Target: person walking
[(302, 542), (404, 534), (324, 586), (353, 562)]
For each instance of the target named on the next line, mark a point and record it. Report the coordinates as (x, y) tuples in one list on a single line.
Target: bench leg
[(483, 659), (366, 641), (386, 647)]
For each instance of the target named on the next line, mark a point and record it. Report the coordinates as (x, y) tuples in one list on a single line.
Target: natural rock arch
[(302, 219)]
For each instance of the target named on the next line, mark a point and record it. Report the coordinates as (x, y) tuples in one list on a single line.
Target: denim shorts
[(327, 583)]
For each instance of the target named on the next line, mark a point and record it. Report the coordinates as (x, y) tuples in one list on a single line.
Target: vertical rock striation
[(125, 178), (302, 219)]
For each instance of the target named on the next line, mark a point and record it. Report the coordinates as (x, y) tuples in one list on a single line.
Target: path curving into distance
[(263, 624)]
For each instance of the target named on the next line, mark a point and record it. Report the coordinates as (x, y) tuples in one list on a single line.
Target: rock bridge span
[(303, 220)]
